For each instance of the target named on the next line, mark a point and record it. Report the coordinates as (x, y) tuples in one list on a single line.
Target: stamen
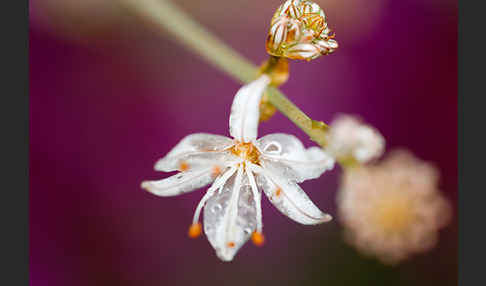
[(195, 230), (218, 184), (246, 151), (278, 192), (183, 166), (257, 238), (256, 197), (230, 244)]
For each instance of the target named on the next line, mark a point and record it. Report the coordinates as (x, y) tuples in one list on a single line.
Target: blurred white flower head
[(351, 139), (240, 168), (392, 209)]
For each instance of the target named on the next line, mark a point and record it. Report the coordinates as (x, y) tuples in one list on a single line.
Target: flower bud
[(299, 31)]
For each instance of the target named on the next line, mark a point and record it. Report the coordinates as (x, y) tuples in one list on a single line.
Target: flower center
[(394, 214), (246, 151)]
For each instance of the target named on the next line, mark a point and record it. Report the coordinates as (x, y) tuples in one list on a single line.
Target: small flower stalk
[(299, 31), (277, 68), (392, 209), (240, 169)]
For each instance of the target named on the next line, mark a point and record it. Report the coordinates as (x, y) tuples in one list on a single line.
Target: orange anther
[(194, 230), (257, 238), (231, 244), (278, 192), (183, 166)]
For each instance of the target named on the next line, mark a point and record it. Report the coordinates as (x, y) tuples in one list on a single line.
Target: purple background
[(110, 95)]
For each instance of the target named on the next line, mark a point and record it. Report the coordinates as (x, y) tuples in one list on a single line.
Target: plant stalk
[(168, 17)]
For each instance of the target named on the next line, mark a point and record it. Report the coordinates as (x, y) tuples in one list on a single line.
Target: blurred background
[(110, 94)]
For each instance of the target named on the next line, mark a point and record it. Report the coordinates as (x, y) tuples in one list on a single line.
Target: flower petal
[(245, 111), (217, 185), (311, 7), (198, 147), (230, 216), (302, 51), (278, 33), (329, 44), (181, 183), (289, 198), (290, 9), (285, 155)]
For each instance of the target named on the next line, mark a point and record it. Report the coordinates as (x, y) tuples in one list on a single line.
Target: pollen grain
[(216, 171), (183, 166)]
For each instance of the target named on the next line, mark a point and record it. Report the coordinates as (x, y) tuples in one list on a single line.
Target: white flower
[(350, 139), (240, 168), (392, 209)]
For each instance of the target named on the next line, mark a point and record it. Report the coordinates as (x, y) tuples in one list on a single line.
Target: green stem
[(199, 40)]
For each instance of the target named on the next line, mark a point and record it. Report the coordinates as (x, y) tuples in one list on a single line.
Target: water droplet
[(273, 148), (216, 208)]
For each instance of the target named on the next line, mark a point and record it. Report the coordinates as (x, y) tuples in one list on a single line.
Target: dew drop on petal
[(273, 148), (216, 208)]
